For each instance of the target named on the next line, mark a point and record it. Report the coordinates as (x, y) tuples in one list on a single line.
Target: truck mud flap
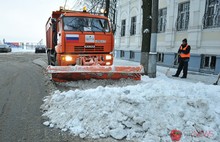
[(74, 73)]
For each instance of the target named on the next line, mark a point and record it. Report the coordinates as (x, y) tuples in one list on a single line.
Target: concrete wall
[(217, 68), (195, 62), (169, 59)]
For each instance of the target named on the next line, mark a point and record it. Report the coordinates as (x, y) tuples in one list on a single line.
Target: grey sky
[(24, 20)]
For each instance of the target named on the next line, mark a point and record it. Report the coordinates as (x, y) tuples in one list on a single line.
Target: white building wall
[(202, 41), (126, 10)]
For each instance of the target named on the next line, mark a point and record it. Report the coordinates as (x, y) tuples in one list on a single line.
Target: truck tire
[(56, 63), (48, 58), (55, 58)]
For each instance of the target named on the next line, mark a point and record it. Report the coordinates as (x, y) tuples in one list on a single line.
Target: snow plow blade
[(74, 73)]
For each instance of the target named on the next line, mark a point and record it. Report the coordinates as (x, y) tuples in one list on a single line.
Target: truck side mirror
[(53, 20), (54, 27)]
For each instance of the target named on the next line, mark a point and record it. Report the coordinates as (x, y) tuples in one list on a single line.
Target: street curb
[(41, 63)]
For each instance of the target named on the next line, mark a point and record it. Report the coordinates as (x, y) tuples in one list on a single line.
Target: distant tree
[(95, 6), (108, 5)]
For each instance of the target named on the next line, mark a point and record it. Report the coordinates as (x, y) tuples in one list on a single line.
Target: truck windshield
[(85, 24)]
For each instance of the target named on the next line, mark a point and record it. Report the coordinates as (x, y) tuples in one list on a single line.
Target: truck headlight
[(108, 57), (68, 58), (108, 63)]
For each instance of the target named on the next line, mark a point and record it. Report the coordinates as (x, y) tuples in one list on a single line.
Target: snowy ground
[(145, 110), (22, 50)]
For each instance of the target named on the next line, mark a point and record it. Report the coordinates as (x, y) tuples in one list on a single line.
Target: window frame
[(160, 57), (212, 14), (162, 20), (123, 27), (132, 54), (122, 53), (183, 16), (133, 25), (208, 62)]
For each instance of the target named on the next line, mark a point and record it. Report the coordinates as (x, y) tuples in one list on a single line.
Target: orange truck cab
[(79, 47), (78, 38)]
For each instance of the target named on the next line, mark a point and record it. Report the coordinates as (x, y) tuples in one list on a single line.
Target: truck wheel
[(48, 58), (56, 63), (55, 58)]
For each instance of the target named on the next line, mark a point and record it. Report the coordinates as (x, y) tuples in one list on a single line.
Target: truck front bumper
[(85, 59)]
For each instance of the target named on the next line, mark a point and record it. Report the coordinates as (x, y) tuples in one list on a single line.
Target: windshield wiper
[(103, 30), (76, 27)]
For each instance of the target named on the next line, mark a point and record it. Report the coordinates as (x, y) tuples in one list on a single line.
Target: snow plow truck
[(80, 47)]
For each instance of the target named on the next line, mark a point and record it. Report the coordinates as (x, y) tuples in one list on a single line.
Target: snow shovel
[(216, 83), (172, 65)]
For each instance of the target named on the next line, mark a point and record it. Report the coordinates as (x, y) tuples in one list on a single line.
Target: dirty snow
[(145, 110)]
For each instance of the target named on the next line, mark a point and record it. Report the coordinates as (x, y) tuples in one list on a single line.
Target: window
[(122, 54), (162, 20), (85, 24), (208, 62), (123, 27), (212, 14), (183, 16), (133, 25), (160, 57), (132, 55)]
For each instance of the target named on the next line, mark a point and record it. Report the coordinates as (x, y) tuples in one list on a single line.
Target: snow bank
[(143, 111), (22, 50)]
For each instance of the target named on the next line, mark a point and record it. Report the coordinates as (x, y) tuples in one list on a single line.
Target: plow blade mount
[(73, 73)]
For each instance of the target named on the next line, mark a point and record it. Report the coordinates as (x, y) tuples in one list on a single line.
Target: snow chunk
[(118, 133), (46, 123)]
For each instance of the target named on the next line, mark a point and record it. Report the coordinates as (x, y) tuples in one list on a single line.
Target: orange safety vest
[(182, 55)]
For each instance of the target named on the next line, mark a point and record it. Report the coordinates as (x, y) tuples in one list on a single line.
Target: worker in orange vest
[(184, 56)]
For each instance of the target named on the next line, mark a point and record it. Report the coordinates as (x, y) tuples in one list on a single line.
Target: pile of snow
[(143, 111)]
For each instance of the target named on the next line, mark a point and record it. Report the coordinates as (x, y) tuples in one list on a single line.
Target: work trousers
[(183, 65)]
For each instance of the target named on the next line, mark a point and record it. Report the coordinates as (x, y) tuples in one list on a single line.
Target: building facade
[(196, 20)]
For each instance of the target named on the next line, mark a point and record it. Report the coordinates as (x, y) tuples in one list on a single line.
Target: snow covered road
[(23, 85)]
